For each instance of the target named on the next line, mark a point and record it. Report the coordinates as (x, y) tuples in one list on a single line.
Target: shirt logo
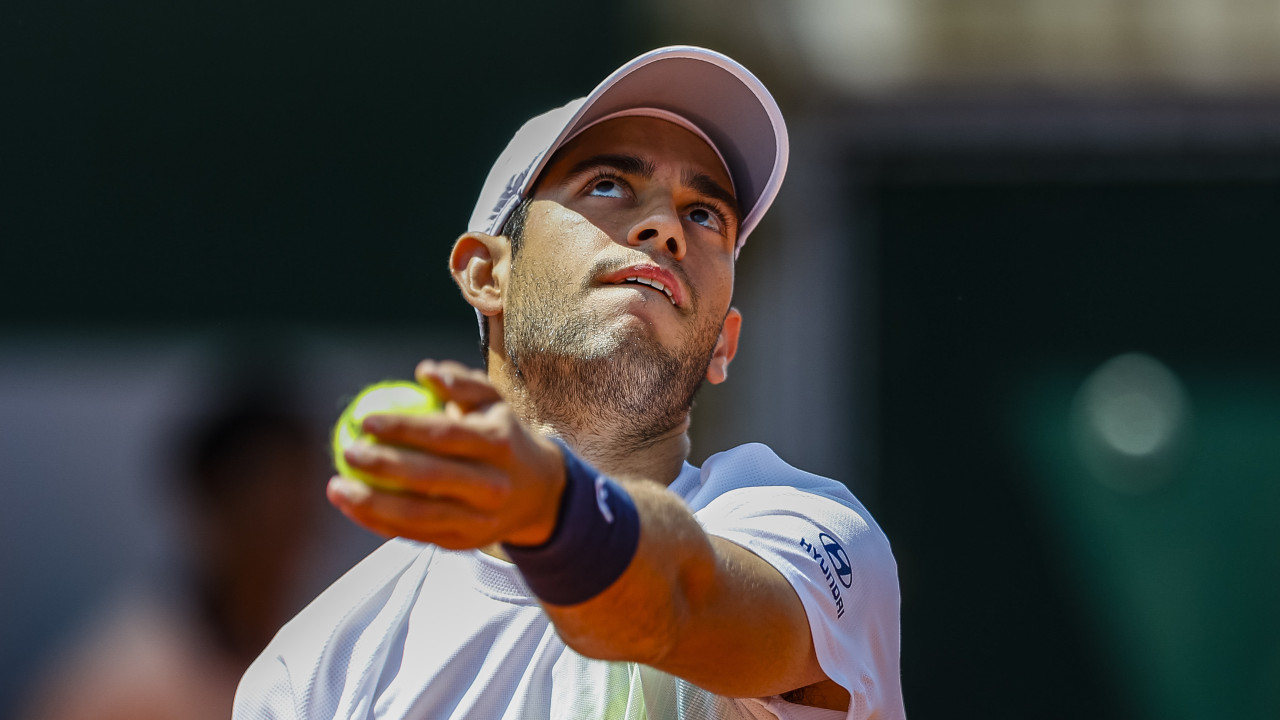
[(602, 499), (839, 561), (821, 559)]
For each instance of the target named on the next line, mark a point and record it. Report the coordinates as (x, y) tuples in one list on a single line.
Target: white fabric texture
[(415, 631)]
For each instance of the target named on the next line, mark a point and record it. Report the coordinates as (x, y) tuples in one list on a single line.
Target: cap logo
[(499, 212)]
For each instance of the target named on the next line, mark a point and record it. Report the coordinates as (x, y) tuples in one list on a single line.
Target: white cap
[(702, 90)]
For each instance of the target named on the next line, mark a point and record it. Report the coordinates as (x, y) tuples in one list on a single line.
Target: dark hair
[(513, 229)]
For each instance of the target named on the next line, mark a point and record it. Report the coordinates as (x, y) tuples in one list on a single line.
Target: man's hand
[(465, 478)]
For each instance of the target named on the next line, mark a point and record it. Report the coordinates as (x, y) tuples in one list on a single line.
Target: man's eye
[(606, 188), (705, 217)]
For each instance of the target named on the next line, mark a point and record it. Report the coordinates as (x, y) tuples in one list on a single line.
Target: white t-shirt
[(415, 631)]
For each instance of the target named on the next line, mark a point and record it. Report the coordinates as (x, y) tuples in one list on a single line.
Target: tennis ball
[(395, 396)]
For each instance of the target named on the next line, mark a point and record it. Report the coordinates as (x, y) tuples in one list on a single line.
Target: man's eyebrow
[(700, 182), (625, 164), (705, 185)]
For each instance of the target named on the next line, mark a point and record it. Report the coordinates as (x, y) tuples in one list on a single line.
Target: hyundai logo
[(839, 561)]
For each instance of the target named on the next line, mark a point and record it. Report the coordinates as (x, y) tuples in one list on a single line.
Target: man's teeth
[(653, 284)]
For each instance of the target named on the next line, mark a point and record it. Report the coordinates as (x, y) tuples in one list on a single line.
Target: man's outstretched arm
[(693, 605)]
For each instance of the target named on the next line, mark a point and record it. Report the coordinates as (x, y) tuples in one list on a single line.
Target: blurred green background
[(1018, 292)]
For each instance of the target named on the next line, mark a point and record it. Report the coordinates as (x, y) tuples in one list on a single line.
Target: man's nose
[(660, 225)]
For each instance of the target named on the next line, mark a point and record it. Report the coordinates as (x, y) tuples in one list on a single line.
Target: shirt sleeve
[(821, 539)]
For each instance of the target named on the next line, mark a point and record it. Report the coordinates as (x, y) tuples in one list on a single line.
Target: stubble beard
[(596, 384)]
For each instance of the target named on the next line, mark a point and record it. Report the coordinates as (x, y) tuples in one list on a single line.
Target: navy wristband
[(596, 535)]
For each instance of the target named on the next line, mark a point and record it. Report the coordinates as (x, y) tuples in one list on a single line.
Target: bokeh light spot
[(1131, 410)]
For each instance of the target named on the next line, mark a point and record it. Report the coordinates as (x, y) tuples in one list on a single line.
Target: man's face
[(631, 204)]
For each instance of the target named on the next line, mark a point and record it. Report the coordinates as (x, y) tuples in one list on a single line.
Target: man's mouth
[(653, 284), (651, 276)]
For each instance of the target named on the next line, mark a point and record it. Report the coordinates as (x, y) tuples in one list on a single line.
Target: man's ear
[(479, 265), (726, 347)]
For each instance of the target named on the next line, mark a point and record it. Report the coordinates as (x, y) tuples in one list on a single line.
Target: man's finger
[(468, 387), (471, 437), (409, 471), (440, 521)]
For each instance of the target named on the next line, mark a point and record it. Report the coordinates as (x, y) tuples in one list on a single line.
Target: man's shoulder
[(749, 489), (756, 465), (324, 648)]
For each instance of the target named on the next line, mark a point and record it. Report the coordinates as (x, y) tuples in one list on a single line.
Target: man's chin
[(631, 331), (626, 390)]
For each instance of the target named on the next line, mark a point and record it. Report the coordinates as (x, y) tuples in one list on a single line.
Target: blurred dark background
[(1017, 292)]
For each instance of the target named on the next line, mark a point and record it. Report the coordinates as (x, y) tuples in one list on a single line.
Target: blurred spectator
[(248, 479)]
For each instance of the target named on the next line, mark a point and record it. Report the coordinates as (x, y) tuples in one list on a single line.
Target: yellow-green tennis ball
[(396, 396)]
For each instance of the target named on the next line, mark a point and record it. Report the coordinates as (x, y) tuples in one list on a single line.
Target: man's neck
[(658, 459)]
